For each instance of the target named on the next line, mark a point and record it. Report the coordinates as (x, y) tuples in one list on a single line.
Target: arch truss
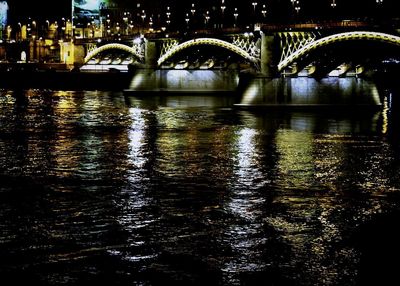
[(312, 45), (136, 49), (290, 42), (247, 50)]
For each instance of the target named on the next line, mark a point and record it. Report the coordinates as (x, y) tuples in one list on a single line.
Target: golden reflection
[(179, 143), (385, 113), (65, 152), (296, 163)]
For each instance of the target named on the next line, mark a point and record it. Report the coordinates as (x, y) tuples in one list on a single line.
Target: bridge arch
[(348, 36), (206, 41), (113, 46)]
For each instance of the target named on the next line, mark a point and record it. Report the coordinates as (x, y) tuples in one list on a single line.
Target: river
[(99, 187)]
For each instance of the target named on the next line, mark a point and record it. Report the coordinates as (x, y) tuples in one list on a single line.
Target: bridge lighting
[(254, 5), (187, 19), (264, 10), (207, 17), (235, 14), (223, 9), (193, 10), (297, 6), (143, 16)]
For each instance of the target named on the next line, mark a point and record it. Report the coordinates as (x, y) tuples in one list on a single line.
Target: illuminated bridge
[(269, 53)]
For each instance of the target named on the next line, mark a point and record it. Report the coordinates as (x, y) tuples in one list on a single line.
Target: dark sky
[(310, 8)]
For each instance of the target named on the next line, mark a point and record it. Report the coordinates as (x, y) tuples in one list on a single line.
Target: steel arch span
[(206, 41), (113, 46), (348, 36)]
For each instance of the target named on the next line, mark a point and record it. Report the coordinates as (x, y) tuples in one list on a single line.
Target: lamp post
[(193, 10), (223, 7), (206, 18), (296, 6), (19, 32), (143, 15), (108, 25), (254, 6), (379, 3), (125, 19), (168, 14), (235, 15), (264, 11), (187, 19)]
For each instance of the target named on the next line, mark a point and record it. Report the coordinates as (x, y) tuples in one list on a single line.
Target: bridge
[(267, 52)]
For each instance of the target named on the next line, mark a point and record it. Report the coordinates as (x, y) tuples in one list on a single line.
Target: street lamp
[(193, 10), (125, 19), (379, 2), (264, 10), (151, 24), (235, 14), (143, 16), (168, 13), (207, 18), (254, 5), (187, 20), (297, 6), (333, 4), (223, 7)]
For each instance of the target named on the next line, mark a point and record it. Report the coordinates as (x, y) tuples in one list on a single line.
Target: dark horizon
[(310, 9)]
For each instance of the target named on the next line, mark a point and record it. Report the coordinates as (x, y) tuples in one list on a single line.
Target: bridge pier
[(72, 53), (150, 54), (268, 68)]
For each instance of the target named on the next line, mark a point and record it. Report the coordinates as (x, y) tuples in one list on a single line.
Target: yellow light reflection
[(296, 157), (385, 112)]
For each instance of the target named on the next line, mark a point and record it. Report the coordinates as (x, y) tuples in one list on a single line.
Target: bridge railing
[(316, 25)]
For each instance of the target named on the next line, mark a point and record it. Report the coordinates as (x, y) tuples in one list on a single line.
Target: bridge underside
[(344, 59), (336, 55), (343, 44)]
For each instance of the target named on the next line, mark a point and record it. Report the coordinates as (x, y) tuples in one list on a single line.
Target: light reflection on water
[(100, 187)]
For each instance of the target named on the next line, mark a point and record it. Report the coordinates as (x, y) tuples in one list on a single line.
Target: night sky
[(310, 8)]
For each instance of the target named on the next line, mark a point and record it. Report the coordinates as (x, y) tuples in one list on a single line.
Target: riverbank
[(59, 77)]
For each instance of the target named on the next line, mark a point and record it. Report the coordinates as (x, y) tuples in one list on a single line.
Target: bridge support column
[(268, 67), (79, 55), (72, 54), (151, 54)]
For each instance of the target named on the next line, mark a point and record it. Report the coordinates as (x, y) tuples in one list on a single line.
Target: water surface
[(190, 190)]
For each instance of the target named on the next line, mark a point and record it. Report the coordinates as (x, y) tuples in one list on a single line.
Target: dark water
[(98, 187)]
